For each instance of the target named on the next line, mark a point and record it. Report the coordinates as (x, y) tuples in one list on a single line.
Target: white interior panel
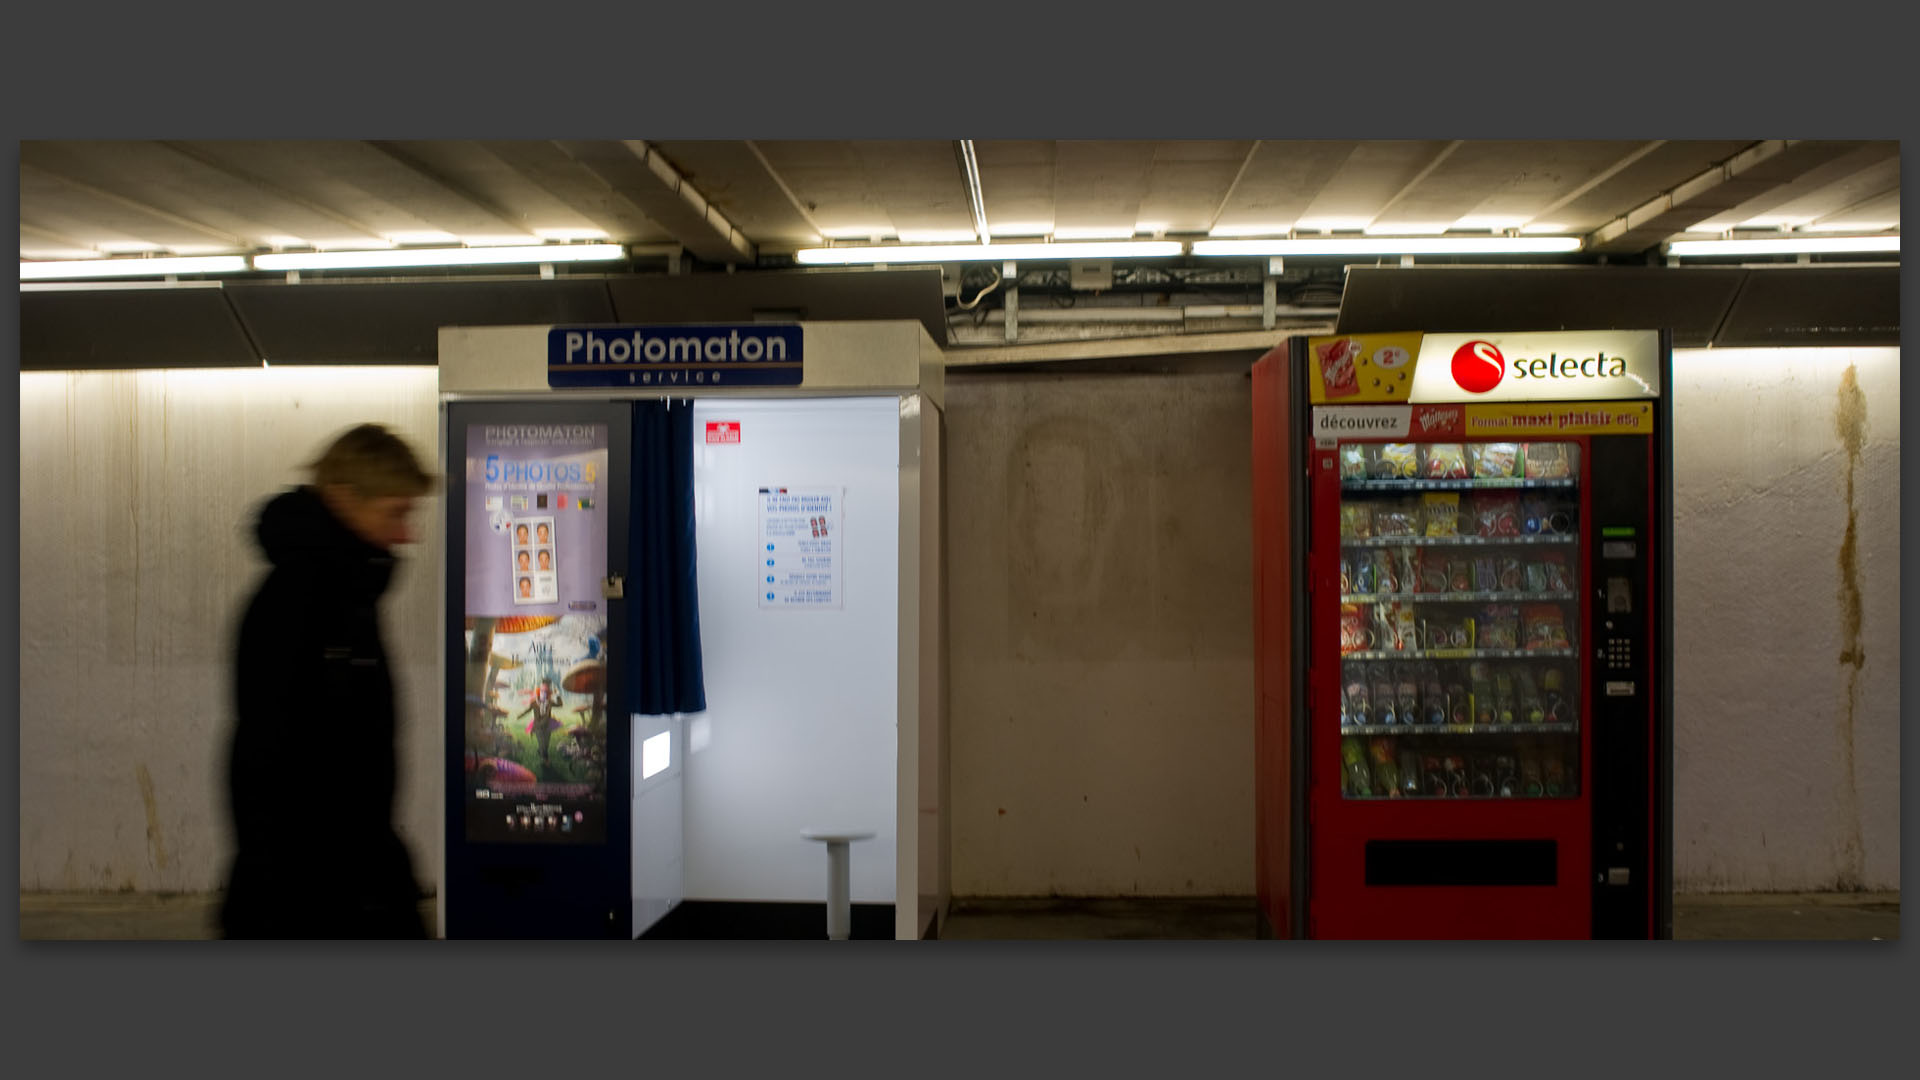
[(800, 727)]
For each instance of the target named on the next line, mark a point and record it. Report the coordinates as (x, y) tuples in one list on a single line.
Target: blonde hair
[(374, 462)]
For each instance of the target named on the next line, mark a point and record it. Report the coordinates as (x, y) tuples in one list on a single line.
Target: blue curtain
[(663, 602)]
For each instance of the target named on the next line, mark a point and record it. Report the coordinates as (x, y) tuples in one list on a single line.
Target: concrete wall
[(1787, 619), (1099, 532), (137, 496), (1101, 657), (1101, 663)]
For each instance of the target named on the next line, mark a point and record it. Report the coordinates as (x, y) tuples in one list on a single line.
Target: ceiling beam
[(644, 178), (1758, 168), (1245, 163), (780, 182), (1445, 153), (451, 188), (56, 237), (1891, 197), (144, 208), (189, 152), (1599, 178)]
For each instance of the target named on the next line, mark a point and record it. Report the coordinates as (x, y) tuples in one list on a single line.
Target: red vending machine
[(1463, 592)]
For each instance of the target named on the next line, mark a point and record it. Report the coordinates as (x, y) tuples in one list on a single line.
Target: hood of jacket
[(297, 530)]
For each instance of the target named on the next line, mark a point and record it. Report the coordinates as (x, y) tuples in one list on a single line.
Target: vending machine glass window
[(1459, 619)]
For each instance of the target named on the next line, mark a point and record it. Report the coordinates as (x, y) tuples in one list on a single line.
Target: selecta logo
[(1478, 366)]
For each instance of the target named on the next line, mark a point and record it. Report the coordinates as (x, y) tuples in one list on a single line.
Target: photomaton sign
[(746, 354)]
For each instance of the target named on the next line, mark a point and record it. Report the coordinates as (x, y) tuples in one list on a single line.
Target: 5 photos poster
[(536, 658)]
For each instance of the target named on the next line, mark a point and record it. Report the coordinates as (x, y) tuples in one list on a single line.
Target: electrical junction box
[(1091, 275)]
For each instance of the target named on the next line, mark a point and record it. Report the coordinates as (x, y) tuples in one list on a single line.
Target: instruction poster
[(799, 552)]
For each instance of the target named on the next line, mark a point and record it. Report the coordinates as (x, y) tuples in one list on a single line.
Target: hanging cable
[(979, 296)]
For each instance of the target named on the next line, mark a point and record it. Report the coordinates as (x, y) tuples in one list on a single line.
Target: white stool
[(839, 907)]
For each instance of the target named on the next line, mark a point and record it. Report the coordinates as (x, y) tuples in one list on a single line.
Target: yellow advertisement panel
[(1560, 418), (1362, 369)]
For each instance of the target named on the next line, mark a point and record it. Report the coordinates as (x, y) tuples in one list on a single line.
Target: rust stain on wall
[(154, 838), (1850, 423)]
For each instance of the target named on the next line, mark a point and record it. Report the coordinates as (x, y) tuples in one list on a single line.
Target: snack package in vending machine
[(1398, 518), (1546, 627), (1383, 696), (1532, 710), (1548, 461), (1446, 461), (1555, 769), (1498, 627), (1506, 778), (1355, 695), (1430, 571), (1396, 461), (1354, 756), (1386, 774), (1481, 677), (1386, 572), (1409, 774), (1532, 778), (1356, 521), (1503, 696), (1355, 634), (1407, 693), (1442, 512), (1494, 460), (1480, 777), (1433, 696), (1459, 574), (1554, 702), (1496, 516)]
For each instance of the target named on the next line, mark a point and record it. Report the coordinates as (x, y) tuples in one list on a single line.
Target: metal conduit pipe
[(1157, 315)]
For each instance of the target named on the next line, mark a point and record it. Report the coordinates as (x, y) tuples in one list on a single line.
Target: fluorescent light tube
[(1254, 229), (1438, 245), (1096, 232), (375, 260), (1491, 222), (937, 236), (106, 268), (1802, 245), (1407, 228), (930, 253)]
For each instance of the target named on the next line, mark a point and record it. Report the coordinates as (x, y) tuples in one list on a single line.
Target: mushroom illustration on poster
[(535, 550), (797, 562)]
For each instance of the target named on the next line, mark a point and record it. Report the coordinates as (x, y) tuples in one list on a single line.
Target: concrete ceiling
[(741, 202)]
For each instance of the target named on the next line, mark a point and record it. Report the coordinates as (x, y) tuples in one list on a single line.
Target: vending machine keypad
[(1619, 653)]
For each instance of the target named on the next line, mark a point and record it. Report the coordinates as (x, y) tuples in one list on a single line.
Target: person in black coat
[(312, 766)]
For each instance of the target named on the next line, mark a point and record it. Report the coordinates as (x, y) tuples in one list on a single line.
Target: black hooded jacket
[(312, 769)]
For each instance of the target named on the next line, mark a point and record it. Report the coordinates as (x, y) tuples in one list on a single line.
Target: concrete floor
[(1736, 917), (1733, 917)]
